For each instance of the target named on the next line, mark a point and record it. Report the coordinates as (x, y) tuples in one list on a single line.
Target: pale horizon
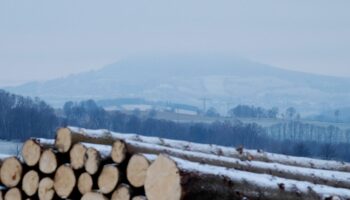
[(44, 40)]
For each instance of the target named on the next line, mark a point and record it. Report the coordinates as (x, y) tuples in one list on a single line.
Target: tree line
[(24, 117)]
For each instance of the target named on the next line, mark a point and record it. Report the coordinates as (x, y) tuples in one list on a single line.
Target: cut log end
[(119, 151), (163, 180), (48, 162), (108, 179), (93, 196), (85, 183), (63, 140), (64, 181), (92, 160), (140, 197), (13, 194), (46, 190), (11, 172), (137, 169), (123, 192), (30, 183), (76, 155), (31, 152)]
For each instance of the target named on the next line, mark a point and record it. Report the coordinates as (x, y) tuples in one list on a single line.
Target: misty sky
[(40, 40)]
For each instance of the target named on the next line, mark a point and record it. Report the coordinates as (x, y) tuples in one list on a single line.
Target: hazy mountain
[(225, 81)]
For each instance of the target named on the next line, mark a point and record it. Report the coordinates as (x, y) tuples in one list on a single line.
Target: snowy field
[(9, 147)]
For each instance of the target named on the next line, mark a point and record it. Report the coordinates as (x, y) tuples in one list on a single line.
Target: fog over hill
[(225, 81)]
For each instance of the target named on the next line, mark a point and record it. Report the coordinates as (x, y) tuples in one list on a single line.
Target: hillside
[(225, 81)]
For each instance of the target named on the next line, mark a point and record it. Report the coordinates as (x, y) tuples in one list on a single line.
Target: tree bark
[(179, 179)]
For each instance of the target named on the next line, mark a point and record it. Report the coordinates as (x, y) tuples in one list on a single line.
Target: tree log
[(30, 183), (174, 179), (327, 177), (123, 192), (31, 152), (108, 179), (64, 181), (85, 183), (13, 194), (332, 178), (137, 169), (93, 196), (48, 162), (11, 172), (46, 190), (119, 151), (105, 137), (92, 160), (77, 155), (139, 197)]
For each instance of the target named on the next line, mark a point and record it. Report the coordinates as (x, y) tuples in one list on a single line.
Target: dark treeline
[(21, 118), (253, 112)]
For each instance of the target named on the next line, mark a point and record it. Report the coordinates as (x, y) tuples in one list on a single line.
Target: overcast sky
[(40, 40)]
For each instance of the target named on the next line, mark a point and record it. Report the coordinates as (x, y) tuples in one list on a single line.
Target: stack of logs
[(98, 164)]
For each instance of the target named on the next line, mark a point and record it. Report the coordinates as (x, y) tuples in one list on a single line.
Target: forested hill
[(189, 78)]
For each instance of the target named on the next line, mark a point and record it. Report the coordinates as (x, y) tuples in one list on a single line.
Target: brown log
[(137, 169), (93, 196), (46, 189), (11, 172), (139, 197), (105, 137), (64, 181), (30, 183), (48, 162), (175, 179), (123, 192), (108, 179), (13, 194), (31, 152), (85, 183), (77, 154)]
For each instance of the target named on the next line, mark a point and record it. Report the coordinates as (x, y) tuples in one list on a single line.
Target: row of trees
[(253, 112), (22, 117)]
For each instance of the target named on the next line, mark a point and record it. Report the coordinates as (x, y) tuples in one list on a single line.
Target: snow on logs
[(98, 164), (73, 134), (180, 179), (143, 145)]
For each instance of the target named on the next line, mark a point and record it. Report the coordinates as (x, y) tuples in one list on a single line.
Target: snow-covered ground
[(10, 147)]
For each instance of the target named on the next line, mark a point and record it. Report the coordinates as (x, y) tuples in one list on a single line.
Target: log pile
[(98, 164)]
